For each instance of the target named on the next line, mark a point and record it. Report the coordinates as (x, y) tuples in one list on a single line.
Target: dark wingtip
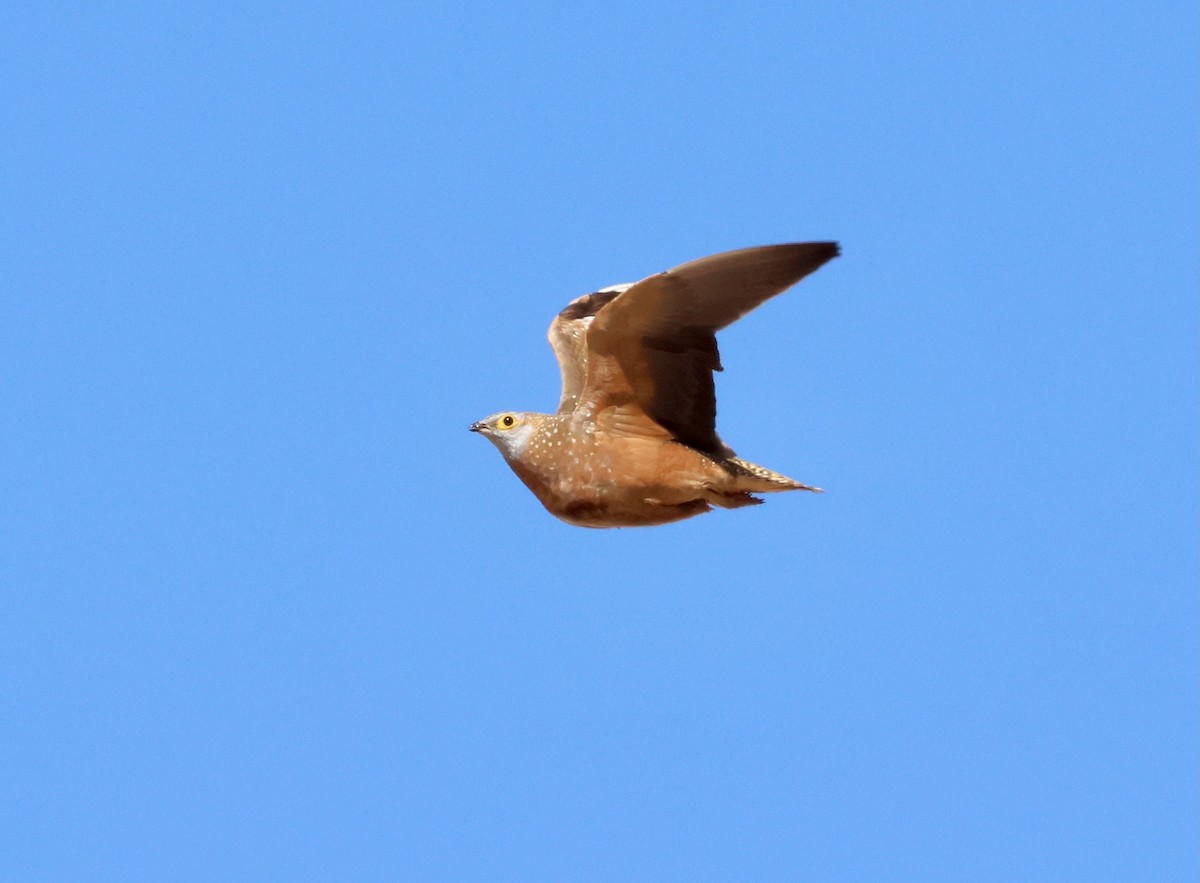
[(808, 257), (827, 250)]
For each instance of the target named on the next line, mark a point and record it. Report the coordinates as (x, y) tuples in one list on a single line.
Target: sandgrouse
[(634, 441)]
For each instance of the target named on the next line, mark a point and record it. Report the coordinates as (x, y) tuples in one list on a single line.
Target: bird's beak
[(477, 426)]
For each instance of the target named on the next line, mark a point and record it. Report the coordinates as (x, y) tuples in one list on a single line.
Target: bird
[(634, 442)]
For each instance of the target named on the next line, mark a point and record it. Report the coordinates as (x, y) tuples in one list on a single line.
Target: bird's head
[(510, 431)]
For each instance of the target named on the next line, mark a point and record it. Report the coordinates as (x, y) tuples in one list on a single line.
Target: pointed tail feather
[(759, 478)]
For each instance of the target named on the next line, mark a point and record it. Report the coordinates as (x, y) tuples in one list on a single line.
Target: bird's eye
[(508, 421)]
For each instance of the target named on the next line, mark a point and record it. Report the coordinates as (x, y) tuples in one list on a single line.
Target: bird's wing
[(651, 350), (567, 337)]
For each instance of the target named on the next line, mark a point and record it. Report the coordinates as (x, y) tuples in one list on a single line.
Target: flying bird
[(634, 441)]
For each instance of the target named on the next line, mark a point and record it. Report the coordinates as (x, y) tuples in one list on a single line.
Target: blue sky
[(269, 611)]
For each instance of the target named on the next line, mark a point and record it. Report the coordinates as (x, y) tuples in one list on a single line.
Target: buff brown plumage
[(634, 440)]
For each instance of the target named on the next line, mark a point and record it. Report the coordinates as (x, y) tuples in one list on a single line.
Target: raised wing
[(568, 339), (652, 349)]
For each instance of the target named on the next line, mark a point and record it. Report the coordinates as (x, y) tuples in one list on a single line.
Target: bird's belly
[(583, 513), (629, 483)]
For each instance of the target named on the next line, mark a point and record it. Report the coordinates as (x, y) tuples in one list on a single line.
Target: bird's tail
[(752, 477)]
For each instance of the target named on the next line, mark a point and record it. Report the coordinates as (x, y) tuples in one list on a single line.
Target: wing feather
[(653, 346), (568, 338)]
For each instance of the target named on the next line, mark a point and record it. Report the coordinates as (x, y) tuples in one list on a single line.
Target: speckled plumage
[(634, 441)]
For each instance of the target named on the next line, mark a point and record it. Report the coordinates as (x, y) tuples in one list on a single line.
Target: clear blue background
[(269, 611)]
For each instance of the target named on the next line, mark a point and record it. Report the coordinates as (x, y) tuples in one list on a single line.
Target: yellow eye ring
[(508, 421)]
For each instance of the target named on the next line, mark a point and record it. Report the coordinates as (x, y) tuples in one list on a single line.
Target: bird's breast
[(600, 479)]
